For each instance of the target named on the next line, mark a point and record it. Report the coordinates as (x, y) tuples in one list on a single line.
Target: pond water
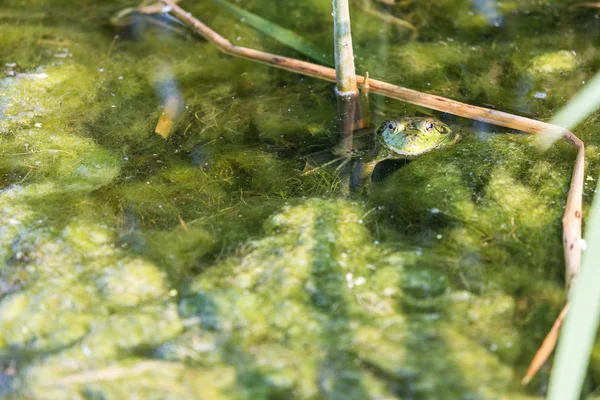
[(207, 265)]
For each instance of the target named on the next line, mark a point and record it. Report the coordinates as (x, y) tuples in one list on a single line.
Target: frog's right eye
[(391, 126)]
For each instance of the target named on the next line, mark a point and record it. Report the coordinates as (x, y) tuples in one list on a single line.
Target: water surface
[(206, 265)]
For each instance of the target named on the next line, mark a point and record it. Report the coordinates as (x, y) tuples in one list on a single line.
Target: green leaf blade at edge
[(581, 324), (278, 33), (579, 331)]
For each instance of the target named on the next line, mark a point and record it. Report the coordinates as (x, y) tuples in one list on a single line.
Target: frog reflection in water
[(405, 138)]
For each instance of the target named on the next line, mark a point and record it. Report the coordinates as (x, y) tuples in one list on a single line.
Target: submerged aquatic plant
[(158, 273)]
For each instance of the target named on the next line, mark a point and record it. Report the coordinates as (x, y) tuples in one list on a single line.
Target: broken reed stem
[(573, 213), (344, 55), (546, 348), (588, 5), (346, 87)]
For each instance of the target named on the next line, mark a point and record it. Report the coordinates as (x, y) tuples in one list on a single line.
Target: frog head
[(411, 136)]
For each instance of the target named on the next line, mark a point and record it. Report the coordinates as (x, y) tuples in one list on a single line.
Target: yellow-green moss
[(203, 265)]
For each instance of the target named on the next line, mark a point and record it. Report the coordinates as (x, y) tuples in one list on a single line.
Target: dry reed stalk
[(586, 5), (344, 55), (546, 348)]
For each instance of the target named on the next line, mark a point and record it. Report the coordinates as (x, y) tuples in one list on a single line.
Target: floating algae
[(313, 309), (203, 266)]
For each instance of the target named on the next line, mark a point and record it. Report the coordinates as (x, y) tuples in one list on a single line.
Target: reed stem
[(344, 55)]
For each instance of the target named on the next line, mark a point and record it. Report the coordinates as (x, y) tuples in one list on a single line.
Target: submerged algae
[(149, 255), (314, 309)]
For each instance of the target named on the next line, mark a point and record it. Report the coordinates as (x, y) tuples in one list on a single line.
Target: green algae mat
[(207, 266)]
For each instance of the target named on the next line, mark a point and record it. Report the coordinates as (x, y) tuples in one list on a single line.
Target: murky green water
[(207, 266)]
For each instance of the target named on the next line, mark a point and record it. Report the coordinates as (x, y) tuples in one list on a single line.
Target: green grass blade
[(581, 324), (278, 33), (584, 104), (579, 331)]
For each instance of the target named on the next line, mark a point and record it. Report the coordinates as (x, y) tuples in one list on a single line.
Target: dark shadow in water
[(387, 168)]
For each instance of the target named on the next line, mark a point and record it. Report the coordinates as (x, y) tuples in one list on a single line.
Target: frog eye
[(391, 125), (430, 126)]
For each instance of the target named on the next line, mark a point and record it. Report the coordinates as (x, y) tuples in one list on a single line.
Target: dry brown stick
[(546, 348), (588, 5), (573, 213)]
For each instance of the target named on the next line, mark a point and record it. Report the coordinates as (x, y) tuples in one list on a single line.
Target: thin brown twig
[(573, 212), (546, 348), (365, 85), (585, 5), (182, 223)]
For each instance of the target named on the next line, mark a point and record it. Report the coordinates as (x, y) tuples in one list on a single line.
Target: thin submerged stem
[(572, 241)]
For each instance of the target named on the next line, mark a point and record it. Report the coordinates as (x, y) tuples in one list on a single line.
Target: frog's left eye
[(430, 126), (391, 125)]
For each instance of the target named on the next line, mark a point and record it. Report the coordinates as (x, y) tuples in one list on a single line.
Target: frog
[(404, 138)]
